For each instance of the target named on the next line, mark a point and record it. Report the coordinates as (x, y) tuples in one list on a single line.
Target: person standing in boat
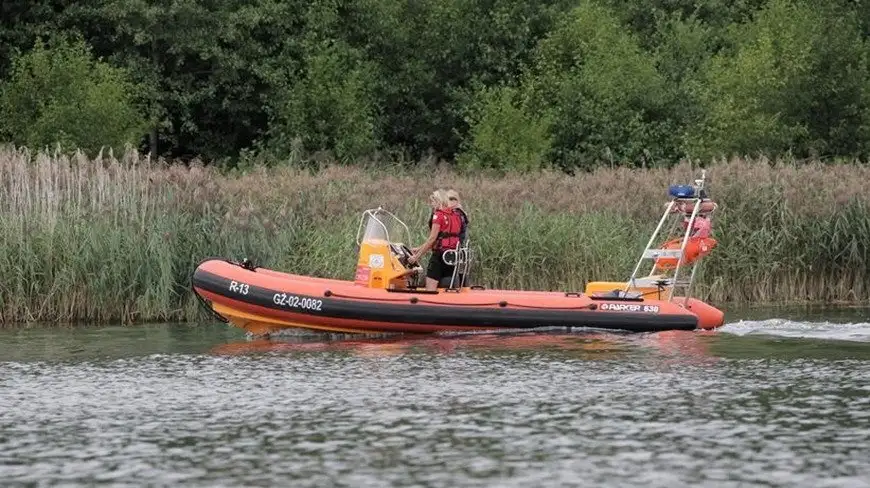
[(444, 228), (456, 206)]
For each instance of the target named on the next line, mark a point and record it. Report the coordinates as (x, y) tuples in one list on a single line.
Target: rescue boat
[(384, 296)]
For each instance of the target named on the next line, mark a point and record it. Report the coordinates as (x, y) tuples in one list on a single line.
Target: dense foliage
[(489, 83)]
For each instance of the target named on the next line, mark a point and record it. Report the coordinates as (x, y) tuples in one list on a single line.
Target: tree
[(329, 108), (209, 68), (605, 95), (797, 82), (22, 22), (429, 55), (60, 94), (505, 133)]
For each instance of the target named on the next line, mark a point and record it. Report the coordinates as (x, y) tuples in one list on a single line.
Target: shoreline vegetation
[(116, 238)]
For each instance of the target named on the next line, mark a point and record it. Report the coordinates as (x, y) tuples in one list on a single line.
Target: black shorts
[(437, 269)]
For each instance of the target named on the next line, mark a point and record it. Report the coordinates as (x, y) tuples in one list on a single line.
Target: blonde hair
[(440, 198)]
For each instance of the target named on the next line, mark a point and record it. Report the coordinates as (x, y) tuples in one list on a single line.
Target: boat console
[(383, 255)]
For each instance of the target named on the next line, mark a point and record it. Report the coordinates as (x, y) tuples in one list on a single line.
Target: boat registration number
[(629, 307), (293, 301), (240, 288)]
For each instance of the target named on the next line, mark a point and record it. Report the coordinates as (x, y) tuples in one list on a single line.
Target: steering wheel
[(403, 253)]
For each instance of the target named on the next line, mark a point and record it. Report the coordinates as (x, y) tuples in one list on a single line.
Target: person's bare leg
[(431, 284)]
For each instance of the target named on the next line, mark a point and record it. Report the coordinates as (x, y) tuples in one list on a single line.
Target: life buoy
[(687, 208), (697, 247)]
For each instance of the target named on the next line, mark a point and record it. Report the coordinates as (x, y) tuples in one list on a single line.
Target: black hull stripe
[(508, 318)]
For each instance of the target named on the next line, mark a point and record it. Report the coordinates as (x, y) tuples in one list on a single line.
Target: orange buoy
[(697, 247), (707, 206)]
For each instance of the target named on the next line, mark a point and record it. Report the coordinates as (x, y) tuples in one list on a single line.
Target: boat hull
[(263, 301)]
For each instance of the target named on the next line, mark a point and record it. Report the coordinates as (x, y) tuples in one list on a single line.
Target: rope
[(503, 303)]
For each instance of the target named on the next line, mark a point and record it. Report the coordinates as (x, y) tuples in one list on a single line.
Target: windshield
[(383, 226)]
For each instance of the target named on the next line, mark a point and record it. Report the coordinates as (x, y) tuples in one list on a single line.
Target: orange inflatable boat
[(383, 296)]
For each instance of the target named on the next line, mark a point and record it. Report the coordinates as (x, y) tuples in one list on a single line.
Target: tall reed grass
[(111, 239)]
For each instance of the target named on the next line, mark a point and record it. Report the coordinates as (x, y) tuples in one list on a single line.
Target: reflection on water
[(782, 402), (93, 342), (585, 345), (595, 344)]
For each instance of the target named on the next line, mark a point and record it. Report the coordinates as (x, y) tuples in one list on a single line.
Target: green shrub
[(505, 135), (59, 94), (797, 83), (603, 92)]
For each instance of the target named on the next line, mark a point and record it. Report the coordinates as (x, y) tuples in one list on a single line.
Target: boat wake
[(856, 332)]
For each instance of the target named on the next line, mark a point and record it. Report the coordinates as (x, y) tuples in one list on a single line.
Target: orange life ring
[(687, 208), (697, 247)]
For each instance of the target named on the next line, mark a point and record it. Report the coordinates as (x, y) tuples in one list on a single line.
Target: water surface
[(776, 398)]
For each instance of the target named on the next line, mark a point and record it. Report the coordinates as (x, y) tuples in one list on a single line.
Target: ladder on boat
[(682, 197)]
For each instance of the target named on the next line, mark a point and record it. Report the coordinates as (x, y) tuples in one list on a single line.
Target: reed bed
[(116, 239)]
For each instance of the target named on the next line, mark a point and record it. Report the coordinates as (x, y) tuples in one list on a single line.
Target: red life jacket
[(463, 217), (450, 225)]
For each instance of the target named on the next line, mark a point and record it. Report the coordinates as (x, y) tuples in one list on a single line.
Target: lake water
[(775, 398)]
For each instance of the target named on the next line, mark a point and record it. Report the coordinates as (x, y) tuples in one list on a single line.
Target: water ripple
[(859, 332), (564, 410)]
